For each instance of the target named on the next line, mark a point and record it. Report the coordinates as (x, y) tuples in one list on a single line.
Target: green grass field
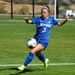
[(13, 49)]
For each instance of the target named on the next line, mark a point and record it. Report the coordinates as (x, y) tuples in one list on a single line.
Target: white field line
[(23, 20), (11, 24), (20, 24), (50, 64), (64, 19), (13, 20)]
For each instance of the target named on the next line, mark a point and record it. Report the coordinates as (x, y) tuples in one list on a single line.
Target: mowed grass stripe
[(60, 51)]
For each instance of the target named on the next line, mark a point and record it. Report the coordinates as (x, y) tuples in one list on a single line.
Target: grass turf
[(13, 49)]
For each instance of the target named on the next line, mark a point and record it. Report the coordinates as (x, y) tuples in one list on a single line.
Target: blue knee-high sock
[(29, 59), (41, 57)]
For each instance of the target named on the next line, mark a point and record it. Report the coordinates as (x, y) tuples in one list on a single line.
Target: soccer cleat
[(46, 63), (21, 68)]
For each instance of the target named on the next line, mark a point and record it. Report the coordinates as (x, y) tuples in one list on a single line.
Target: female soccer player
[(44, 23)]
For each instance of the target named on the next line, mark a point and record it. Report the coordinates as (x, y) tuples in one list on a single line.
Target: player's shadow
[(20, 72), (24, 71)]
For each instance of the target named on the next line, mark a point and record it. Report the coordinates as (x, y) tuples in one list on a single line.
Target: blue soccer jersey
[(43, 28)]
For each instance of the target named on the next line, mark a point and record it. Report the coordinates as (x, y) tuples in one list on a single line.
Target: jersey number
[(44, 30)]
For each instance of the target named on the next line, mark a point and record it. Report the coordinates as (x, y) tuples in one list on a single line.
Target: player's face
[(44, 13)]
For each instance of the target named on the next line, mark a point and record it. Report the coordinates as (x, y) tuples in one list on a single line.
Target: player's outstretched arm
[(28, 20), (63, 22)]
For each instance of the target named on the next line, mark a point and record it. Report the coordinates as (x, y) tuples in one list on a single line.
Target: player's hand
[(67, 17), (26, 19)]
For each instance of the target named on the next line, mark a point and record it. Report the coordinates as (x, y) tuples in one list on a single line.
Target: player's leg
[(27, 61), (31, 56), (43, 59), (41, 56)]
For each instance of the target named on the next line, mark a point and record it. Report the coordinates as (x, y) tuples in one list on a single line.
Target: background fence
[(23, 8)]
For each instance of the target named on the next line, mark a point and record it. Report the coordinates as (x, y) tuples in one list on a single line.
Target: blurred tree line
[(41, 2), (25, 9)]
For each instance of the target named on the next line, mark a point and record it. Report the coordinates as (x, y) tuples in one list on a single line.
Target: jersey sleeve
[(35, 20), (55, 22)]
